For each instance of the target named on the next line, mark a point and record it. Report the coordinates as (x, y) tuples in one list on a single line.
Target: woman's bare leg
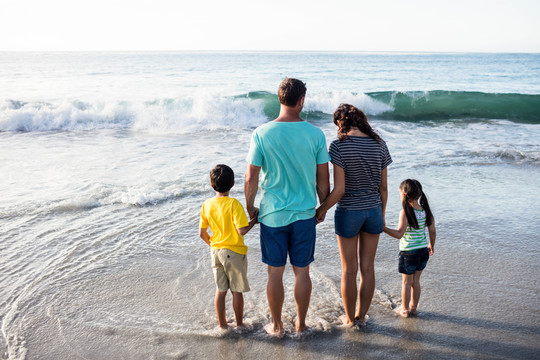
[(366, 254), (348, 250)]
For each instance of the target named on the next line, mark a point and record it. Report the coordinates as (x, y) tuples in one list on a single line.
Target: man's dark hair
[(222, 178), (290, 91)]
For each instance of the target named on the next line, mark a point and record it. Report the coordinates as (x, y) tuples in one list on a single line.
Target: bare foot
[(403, 312), (362, 322), (240, 329), (271, 330), (345, 321), (300, 328), (413, 311)]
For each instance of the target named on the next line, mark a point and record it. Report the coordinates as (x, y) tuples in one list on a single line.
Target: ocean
[(104, 162)]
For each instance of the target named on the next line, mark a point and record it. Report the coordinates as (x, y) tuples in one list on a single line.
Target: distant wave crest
[(211, 112)]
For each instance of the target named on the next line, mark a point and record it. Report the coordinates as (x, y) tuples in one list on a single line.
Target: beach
[(105, 166)]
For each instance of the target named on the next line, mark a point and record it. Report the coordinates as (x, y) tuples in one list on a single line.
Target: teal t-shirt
[(288, 154)]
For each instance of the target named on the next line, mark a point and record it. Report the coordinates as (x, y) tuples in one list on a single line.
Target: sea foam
[(182, 115)]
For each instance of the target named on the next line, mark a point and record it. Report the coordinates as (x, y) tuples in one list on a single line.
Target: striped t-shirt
[(415, 238), (362, 158)]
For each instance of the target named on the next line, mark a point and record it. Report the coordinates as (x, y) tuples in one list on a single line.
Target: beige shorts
[(230, 270)]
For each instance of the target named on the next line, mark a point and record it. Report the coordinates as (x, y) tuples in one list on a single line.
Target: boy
[(228, 222)]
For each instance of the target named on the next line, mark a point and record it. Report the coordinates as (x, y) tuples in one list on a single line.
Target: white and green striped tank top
[(415, 238)]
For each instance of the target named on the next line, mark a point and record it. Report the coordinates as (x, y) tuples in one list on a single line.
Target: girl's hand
[(431, 250)]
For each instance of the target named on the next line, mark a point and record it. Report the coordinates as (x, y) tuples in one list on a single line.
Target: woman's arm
[(383, 190), (402, 226), (335, 195)]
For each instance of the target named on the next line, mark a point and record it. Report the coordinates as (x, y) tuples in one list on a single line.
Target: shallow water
[(99, 247)]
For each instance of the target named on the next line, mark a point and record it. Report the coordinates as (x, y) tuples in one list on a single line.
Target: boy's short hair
[(222, 178), (290, 91)]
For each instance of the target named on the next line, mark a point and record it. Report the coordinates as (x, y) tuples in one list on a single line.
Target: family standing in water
[(292, 156)]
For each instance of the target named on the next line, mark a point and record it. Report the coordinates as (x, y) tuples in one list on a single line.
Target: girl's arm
[(383, 189), (335, 195), (402, 226), (204, 235), (432, 236)]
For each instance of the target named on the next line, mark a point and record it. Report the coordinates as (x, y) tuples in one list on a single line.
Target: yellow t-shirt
[(224, 215)]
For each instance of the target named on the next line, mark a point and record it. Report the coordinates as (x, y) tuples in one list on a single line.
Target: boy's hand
[(431, 250)]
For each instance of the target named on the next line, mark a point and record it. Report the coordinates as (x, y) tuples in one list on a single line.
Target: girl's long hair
[(347, 116), (413, 191)]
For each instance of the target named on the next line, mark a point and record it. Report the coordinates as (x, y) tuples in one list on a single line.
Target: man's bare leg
[(276, 296), (302, 295)]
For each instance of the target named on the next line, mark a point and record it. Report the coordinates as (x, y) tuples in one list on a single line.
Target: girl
[(413, 245), (360, 159)]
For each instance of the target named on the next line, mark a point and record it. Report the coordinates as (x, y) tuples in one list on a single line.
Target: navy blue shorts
[(296, 239), (349, 223), (413, 260)]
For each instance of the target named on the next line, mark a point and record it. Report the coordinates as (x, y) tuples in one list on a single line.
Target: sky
[(329, 25)]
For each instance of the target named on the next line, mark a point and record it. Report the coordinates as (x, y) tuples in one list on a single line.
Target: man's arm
[(323, 182), (251, 186), (335, 195)]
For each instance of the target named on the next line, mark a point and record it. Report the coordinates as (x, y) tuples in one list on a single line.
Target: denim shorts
[(349, 223), (413, 260), (296, 239)]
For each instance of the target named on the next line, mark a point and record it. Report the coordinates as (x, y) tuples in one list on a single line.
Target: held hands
[(320, 215), (253, 214)]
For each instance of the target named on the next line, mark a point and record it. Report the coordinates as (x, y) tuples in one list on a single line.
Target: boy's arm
[(250, 188), (203, 233), (432, 237), (402, 226), (244, 230)]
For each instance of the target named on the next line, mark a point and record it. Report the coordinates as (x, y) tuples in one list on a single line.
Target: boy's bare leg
[(366, 254), (348, 250), (302, 295), (416, 291), (276, 296), (238, 306), (220, 309), (406, 294)]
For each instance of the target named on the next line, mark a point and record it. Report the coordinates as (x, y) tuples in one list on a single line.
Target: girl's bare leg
[(348, 250), (406, 294), (416, 291), (366, 254)]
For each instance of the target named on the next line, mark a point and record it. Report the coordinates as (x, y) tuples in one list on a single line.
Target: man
[(293, 157)]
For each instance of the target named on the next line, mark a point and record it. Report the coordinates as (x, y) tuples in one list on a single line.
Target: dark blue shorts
[(349, 223), (296, 239), (413, 260)]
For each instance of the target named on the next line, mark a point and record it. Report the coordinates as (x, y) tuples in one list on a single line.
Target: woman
[(360, 159)]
